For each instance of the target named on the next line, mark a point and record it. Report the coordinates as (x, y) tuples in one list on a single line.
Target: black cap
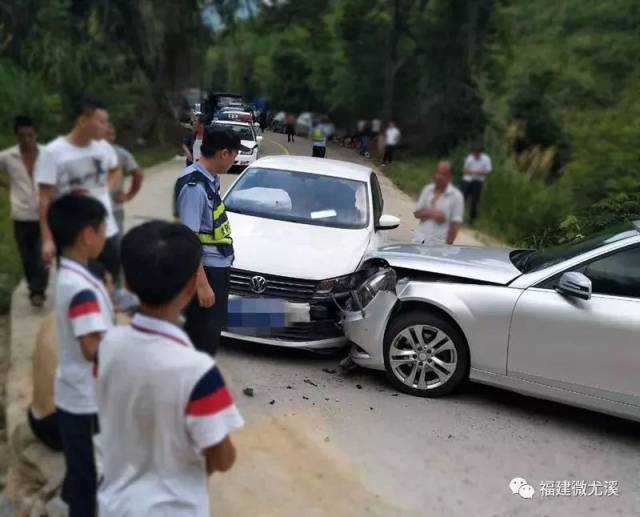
[(218, 138)]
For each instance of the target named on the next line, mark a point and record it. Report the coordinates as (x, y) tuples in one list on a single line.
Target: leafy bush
[(604, 214), (10, 272), (519, 208), (25, 93)]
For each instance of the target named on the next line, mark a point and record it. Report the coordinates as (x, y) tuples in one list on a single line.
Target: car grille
[(285, 288)]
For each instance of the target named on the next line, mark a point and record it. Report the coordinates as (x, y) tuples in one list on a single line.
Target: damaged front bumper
[(365, 319), (284, 323)]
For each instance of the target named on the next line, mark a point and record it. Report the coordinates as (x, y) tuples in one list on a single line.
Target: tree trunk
[(391, 60)]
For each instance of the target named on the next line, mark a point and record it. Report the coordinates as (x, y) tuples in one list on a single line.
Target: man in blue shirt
[(200, 208)]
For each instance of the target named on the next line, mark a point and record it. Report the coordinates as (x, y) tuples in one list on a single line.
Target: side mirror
[(574, 284), (259, 139), (388, 222)]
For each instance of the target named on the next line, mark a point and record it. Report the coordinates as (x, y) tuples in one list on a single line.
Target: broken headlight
[(383, 280), (339, 285)]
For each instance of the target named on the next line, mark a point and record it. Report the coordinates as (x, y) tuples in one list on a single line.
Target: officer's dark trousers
[(110, 256), (319, 151), (203, 325)]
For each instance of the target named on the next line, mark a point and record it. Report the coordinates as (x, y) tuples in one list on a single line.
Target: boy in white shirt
[(166, 413), (83, 313)]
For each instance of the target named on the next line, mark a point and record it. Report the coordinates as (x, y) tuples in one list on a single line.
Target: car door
[(588, 346)]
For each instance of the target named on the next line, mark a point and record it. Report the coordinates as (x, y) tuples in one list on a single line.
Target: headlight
[(334, 285), (383, 280)]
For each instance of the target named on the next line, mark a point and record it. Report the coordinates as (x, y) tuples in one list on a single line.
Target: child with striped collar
[(83, 313), (165, 410)]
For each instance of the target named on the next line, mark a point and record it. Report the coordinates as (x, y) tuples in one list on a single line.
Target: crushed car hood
[(484, 264), (295, 250)]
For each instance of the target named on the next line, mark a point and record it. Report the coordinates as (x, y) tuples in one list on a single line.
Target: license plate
[(256, 313)]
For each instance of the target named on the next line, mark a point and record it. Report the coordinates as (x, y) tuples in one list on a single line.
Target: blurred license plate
[(260, 313)]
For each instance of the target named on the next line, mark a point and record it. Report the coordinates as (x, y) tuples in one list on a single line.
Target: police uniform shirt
[(196, 212), (82, 307), (161, 404)]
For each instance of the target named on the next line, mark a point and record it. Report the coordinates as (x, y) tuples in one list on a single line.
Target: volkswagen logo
[(258, 284)]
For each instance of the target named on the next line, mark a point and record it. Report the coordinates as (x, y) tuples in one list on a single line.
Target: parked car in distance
[(249, 139), (301, 227), (561, 324), (279, 122), (306, 121)]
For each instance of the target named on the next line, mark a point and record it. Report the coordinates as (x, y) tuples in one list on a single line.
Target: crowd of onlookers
[(160, 407), (91, 162)]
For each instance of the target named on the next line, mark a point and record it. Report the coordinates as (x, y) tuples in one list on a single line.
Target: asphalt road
[(321, 443)]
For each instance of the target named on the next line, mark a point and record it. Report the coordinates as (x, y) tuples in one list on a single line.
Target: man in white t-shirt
[(165, 412), (440, 210), (82, 161), (391, 141), (477, 167)]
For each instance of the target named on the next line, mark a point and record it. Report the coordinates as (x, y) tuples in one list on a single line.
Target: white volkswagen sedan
[(301, 227)]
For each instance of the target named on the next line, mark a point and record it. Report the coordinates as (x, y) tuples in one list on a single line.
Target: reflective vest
[(318, 135), (220, 235)]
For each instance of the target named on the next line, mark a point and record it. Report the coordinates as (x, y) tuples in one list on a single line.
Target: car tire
[(417, 346)]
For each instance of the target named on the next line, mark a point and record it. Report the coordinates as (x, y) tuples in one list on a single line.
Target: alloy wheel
[(423, 357)]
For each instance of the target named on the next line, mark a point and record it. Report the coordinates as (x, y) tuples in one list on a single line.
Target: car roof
[(321, 166)]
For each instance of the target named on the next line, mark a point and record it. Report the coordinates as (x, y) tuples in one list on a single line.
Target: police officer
[(199, 207), (319, 137)]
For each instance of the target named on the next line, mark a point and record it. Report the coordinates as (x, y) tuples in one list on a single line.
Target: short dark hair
[(158, 259), (217, 139), (85, 106), (70, 214), (22, 121)]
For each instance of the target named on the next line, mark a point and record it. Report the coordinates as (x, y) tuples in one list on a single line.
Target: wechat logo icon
[(522, 488)]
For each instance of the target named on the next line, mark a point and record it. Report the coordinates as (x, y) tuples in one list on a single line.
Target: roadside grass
[(412, 174), (149, 156), (10, 269)]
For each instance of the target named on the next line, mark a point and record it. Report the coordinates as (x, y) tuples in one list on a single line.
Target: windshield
[(300, 197), (528, 261), (244, 132)]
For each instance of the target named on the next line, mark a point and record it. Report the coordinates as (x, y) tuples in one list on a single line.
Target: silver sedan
[(561, 324)]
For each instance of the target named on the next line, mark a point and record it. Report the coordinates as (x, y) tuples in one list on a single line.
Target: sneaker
[(37, 300)]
